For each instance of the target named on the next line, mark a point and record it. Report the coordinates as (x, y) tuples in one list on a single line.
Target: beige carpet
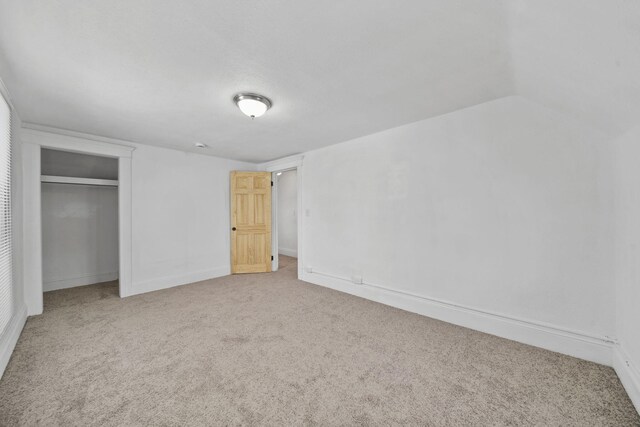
[(269, 349)]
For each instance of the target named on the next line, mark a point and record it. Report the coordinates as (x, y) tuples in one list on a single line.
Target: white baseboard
[(72, 282), (9, 338), (288, 252), (584, 346), (178, 280), (628, 373)]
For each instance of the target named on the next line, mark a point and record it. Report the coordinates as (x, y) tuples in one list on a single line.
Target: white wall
[(79, 235), (627, 260), (180, 217), (497, 209), (287, 213), (179, 208)]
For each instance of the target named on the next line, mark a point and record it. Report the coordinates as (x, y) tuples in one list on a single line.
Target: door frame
[(36, 137), (281, 165)]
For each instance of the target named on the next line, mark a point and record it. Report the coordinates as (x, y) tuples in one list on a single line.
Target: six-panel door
[(250, 222)]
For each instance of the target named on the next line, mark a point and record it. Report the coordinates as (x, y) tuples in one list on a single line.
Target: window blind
[(6, 270)]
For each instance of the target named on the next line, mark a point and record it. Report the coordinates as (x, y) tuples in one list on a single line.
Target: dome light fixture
[(252, 105)]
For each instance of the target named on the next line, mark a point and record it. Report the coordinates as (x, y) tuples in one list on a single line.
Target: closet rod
[(78, 181)]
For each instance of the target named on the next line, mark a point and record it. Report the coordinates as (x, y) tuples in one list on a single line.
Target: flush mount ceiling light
[(251, 104), (200, 145)]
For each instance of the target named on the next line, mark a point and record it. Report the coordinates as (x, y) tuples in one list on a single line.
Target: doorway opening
[(254, 216), (79, 220), (285, 214)]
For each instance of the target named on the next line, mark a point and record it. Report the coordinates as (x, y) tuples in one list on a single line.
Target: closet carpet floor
[(267, 349)]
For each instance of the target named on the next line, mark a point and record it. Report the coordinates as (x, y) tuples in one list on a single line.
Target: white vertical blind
[(6, 271)]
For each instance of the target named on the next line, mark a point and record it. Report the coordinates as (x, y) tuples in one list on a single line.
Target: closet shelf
[(78, 181)]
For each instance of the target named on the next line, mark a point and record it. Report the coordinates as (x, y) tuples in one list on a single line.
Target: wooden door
[(250, 222)]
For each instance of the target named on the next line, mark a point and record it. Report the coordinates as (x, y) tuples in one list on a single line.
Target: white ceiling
[(164, 72)]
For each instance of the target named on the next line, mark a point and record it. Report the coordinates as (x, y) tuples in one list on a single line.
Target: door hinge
[(272, 183), (271, 257)]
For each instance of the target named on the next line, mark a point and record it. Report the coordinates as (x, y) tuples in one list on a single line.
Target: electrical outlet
[(309, 269), (356, 279)]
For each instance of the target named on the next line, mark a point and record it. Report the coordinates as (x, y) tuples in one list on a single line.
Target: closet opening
[(79, 213)]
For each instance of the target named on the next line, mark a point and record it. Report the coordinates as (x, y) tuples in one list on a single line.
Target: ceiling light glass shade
[(252, 105)]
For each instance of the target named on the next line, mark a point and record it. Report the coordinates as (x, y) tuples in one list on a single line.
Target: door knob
[(234, 229)]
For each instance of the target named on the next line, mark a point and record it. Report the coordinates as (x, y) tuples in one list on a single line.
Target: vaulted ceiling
[(164, 73), (579, 56)]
